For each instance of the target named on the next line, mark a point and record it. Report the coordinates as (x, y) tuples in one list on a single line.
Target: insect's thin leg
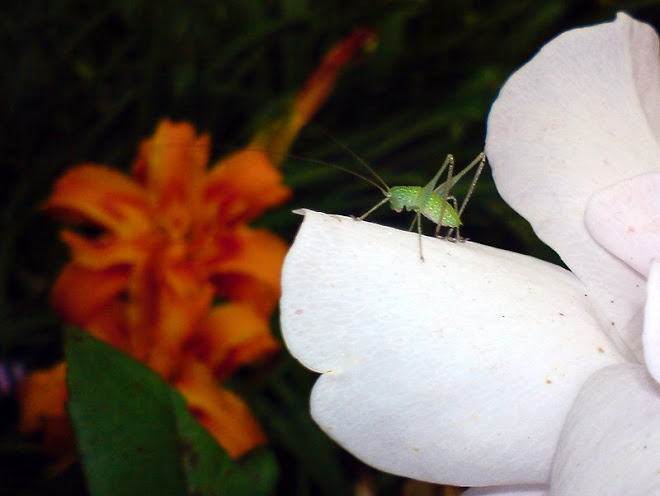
[(440, 189), (448, 236), (372, 209), (418, 220), (473, 184), (449, 161), (418, 216)]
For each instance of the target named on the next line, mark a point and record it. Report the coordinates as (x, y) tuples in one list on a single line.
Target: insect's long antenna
[(362, 162), (345, 169)]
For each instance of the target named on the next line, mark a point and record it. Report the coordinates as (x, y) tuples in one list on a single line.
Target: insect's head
[(402, 197)]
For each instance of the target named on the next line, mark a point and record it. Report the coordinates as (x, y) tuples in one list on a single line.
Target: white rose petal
[(582, 115), (611, 443), (457, 370)]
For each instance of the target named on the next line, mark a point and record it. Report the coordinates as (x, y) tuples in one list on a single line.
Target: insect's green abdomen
[(433, 209), (410, 198)]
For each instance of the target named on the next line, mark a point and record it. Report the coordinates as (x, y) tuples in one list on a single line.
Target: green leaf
[(136, 436)]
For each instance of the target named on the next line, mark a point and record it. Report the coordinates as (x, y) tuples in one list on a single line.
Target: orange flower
[(172, 240), (174, 275)]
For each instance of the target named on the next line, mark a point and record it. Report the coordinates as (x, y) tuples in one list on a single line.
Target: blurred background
[(86, 81)]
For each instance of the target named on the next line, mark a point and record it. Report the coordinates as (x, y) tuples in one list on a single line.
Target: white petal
[(611, 443), (458, 370), (625, 220), (651, 338), (581, 115), (535, 490)]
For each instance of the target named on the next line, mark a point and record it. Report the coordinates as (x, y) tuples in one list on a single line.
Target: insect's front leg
[(372, 209)]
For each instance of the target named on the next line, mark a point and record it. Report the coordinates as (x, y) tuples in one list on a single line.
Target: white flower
[(482, 367)]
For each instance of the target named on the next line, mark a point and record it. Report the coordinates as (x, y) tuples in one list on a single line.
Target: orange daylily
[(175, 277), (173, 238), (170, 237)]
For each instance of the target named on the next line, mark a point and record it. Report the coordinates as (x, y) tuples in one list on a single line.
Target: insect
[(431, 201)]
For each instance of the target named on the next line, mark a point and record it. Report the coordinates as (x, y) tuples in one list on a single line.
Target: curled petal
[(459, 369), (611, 442), (43, 396), (241, 187), (580, 116), (171, 165), (625, 220), (230, 336), (106, 251), (93, 300), (42, 399), (222, 412), (651, 337), (251, 272), (102, 196), (161, 317), (79, 292)]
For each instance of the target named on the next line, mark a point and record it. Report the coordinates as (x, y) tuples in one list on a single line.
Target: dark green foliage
[(85, 81)]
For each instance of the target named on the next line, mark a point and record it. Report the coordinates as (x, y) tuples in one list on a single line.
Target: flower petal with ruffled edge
[(101, 196), (77, 294), (459, 370), (611, 441), (42, 398), (172, 167), (49, 398), (580, 116), (230, 336), (98, 308), (106, 251), (166, 304), (250, 272), (241, 187), (226, 416)]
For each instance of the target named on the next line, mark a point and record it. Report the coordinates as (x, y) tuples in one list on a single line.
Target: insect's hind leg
[(449, 162), (450, 231), (480, 168), (481, 158)]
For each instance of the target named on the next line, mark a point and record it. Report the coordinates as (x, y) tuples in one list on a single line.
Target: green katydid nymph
[(431, 201)]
